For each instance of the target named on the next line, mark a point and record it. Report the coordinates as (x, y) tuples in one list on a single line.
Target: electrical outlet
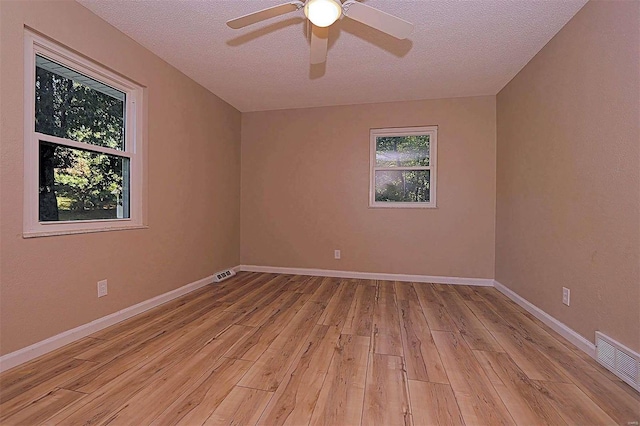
[(566, 296), (336, 254), (102, 288)]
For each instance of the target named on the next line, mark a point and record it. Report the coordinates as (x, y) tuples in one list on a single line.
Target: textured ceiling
[(458, 48)]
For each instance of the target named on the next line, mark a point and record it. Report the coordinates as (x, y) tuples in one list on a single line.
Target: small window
[(83, 153), (403, 167)]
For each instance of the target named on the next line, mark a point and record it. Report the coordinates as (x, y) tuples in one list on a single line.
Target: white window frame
[(133, 144), (432, 131)]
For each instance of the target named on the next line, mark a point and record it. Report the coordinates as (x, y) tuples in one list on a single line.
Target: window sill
[(54, 232), (402, 206)]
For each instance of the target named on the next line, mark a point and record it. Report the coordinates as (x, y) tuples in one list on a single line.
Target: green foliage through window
[(86, 185), (403, 186), (402, 168), (78, 184), (402, 151)]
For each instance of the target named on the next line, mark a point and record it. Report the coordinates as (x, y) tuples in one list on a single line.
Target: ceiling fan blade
[(319, 44), (382, 21), (261, 15)]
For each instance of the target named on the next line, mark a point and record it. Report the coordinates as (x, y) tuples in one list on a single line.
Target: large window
[(403, 167), (83, 144)]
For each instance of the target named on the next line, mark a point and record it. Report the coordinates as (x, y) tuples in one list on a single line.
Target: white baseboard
[(23, 355), (483, 282), (562, 329)]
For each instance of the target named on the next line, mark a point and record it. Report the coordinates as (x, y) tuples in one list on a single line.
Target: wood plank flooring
[(281, 349)]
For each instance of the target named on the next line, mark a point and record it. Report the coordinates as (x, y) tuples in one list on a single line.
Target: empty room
[(337, 212)]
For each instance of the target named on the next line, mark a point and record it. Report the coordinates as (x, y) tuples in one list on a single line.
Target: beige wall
[(48, 285), (568, 190), (305, 183)]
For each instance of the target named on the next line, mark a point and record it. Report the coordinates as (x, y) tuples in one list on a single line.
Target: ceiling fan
[(323, 13)]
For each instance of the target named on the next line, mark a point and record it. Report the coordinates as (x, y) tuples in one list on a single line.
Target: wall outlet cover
[(102, 288)]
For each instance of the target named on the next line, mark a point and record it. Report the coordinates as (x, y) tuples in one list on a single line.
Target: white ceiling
[(458, 48)]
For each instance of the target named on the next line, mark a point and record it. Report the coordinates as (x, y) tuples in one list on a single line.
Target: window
[(83, 144), (403, 167)]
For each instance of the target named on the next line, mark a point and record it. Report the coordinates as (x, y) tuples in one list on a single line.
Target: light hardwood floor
[(281, 349)]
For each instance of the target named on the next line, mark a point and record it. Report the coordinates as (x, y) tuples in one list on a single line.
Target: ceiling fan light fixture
[(322, 13)]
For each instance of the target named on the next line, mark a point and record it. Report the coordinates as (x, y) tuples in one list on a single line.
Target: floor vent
[(223, 275), (622, 361)]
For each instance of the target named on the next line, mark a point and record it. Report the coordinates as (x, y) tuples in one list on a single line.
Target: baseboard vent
[(223, 275), (620, 360)]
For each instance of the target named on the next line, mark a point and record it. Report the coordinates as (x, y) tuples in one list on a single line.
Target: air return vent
[(622, 361), (223, 275)]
